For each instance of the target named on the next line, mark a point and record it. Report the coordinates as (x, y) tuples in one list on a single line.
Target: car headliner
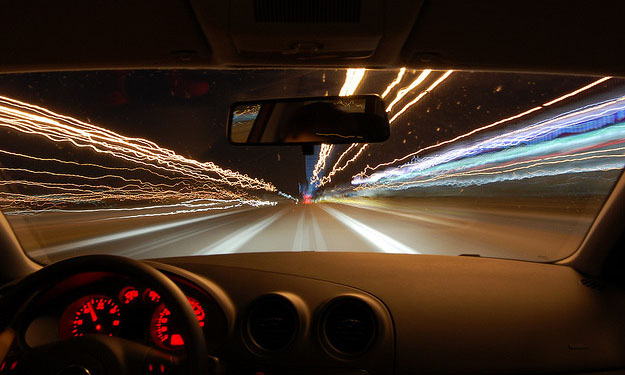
[(557, 36)]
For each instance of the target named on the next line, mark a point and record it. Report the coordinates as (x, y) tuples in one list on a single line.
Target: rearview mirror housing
[(309, 121)]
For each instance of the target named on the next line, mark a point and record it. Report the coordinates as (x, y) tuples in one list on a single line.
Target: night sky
[(187, 110)]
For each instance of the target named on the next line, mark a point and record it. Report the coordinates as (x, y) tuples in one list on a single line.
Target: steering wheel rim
[(195, 345)]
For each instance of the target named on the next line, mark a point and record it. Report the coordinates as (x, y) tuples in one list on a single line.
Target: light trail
[(397, 80), (576, 122), (352, 81), (518, 166), (337, 166), (476, 167), (30, 119), (78, 195), (194, 203), (421, 95), (381, 241), (181, 208), (368, 168), (71, 175), (181, 178), (508, 174), (437, 145), (577, 91), (403, 92), (324, 152), (91, 165), (588, 139), (288, 196), (352, 146), (353, 77)]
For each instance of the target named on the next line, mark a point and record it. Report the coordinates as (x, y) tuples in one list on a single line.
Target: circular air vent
[(348, 326), (272, 322)]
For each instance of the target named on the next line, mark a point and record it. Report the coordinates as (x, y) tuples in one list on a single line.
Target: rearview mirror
[(326, 119)]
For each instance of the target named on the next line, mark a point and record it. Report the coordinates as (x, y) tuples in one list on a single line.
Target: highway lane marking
[(238, 239), (298, 240), (304, 240), (380, 240), (385, 210), (463, 218), (126, 234), (161, 242), (319, 241)]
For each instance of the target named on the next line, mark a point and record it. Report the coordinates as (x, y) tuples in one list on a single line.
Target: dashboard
[(112, 305), (348, 314), (253, 322)]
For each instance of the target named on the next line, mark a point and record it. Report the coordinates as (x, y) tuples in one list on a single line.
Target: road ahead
[(413, 228)]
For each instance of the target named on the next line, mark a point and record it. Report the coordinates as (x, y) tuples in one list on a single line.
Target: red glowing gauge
[(150, 295), (128, 294), (91, 314), (167, 333)]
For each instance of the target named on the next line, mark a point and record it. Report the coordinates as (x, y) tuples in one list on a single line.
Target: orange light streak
[(187, 179), (577, 91), (32, 119), (400, 75), (91, 165), (403, 92), (421, 95)]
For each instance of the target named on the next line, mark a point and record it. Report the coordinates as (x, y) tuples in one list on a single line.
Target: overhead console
[(248, 32)]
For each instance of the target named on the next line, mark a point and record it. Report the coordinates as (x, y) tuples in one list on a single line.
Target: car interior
[(313, 312)]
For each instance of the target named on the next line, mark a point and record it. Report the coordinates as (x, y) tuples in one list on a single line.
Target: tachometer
[(91, 314), (166, 332)]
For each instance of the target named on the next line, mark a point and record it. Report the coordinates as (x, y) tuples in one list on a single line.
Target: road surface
[(504, 231)]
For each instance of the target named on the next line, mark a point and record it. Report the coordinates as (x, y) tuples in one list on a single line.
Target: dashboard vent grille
[(272, 322), (349, 326), (307, 11)]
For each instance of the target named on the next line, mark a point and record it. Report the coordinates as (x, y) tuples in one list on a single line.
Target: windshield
[(137, 163)]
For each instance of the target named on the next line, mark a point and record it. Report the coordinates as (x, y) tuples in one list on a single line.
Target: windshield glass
[(137, 163)]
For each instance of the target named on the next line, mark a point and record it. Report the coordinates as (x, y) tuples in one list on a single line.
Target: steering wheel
[(101, 354)]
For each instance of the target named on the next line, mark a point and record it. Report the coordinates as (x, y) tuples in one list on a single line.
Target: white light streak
[(400, 75), (403, 92), (352, 81), (384, 243)]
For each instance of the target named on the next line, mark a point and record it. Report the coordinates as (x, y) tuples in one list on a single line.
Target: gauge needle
[(92, 312)]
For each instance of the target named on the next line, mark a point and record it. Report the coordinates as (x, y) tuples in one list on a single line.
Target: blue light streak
[(588, 139)]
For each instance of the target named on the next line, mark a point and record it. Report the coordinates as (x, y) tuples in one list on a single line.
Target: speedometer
[(166, 332), (91, 314)]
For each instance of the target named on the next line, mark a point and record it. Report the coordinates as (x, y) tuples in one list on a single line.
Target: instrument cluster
[(114, 306)]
